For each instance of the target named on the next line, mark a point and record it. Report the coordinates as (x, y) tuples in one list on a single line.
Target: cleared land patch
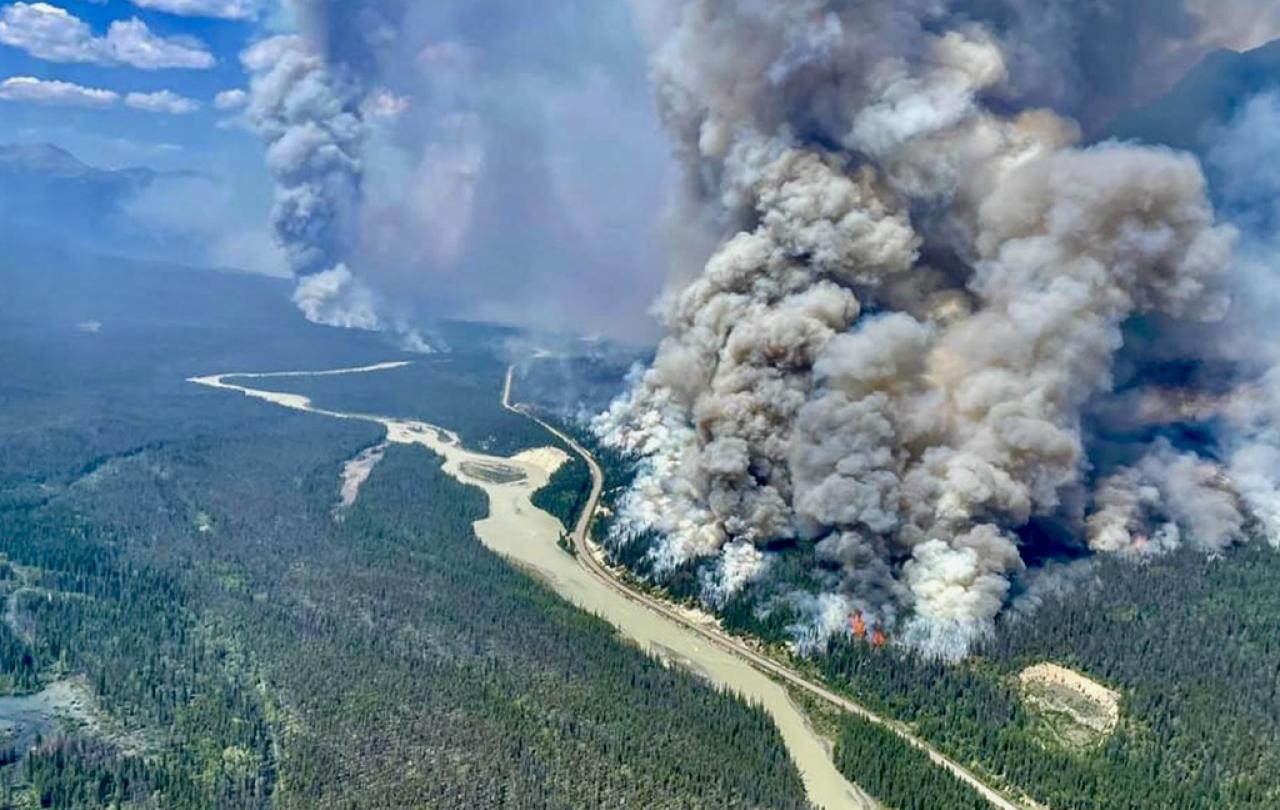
[(1077, 710)]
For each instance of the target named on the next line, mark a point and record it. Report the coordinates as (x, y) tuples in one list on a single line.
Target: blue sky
[(116, 134), (490, 185)]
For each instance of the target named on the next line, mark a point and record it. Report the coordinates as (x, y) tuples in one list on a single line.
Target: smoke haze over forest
[(919, 320), (911, 306)]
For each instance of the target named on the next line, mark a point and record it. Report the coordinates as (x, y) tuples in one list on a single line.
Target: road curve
[(584, 546)]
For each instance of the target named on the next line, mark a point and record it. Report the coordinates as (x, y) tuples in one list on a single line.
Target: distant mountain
[(1206, 98), (51, 198), (41, 174), (45, 159), (24, 158), (46, 193)]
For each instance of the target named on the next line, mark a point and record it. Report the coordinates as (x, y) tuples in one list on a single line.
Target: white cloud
[(230, 99), (46, 32), (222, 9), (41, 91), (52, 33), (164, 101), (26, 88), (130, 42)]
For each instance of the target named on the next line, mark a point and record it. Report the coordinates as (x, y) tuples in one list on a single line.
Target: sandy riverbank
[(528, 536)]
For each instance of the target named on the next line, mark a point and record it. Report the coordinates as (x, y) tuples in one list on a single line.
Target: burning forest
[(923, 326), (907, 286)]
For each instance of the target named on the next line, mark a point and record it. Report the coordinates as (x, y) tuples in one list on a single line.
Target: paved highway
[(587, 557)]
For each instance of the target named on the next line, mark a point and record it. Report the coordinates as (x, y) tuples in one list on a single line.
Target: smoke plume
[(1245, 158), (921, 286), (460, 158), (310, 118)]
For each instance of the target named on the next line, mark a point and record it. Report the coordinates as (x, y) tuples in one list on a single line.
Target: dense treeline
[(900, 776), (130, 630), (1194, 647), (71, 401), (1193, 644), (20, 671), (566, 493), (536, 699), (246, 650)]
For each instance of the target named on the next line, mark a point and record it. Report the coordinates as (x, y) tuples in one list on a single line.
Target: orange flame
[(878, 638), (858, 625)]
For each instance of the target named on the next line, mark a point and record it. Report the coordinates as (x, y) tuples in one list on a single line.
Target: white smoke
[(461, 159), (1245, 158), (314, 115), (821, 617), (848, 158), (312, 124), (739, 564), (334, 297), (1166, 499)]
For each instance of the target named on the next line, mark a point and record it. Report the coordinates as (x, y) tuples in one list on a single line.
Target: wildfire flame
[(858, 629), (858, 625)]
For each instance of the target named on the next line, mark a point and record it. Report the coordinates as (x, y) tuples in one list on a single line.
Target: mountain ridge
[(1208, 97)]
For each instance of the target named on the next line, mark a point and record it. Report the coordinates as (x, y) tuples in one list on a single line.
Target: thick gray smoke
[(920, 286), (1183, 497), (310, 118), (1247, 160), (462, 158)]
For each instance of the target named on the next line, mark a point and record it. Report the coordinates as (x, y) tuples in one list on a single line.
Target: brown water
[(521, 532)]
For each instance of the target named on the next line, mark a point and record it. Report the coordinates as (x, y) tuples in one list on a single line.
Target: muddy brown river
[(519, 531)]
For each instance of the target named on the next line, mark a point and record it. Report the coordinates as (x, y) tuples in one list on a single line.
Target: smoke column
[(311, 122), (460, 158), (920, 287), (312, 100)]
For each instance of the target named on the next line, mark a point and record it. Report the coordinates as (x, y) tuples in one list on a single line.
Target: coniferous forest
[(1191, 643), (187, 625), (195, 629)]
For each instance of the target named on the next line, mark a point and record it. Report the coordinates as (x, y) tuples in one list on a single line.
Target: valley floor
[(522, 533)]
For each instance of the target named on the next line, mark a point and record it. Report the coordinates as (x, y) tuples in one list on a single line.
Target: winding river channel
[(528, 536)]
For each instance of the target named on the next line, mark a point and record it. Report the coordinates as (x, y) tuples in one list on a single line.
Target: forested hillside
[(1191, 643), (171, 562)]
